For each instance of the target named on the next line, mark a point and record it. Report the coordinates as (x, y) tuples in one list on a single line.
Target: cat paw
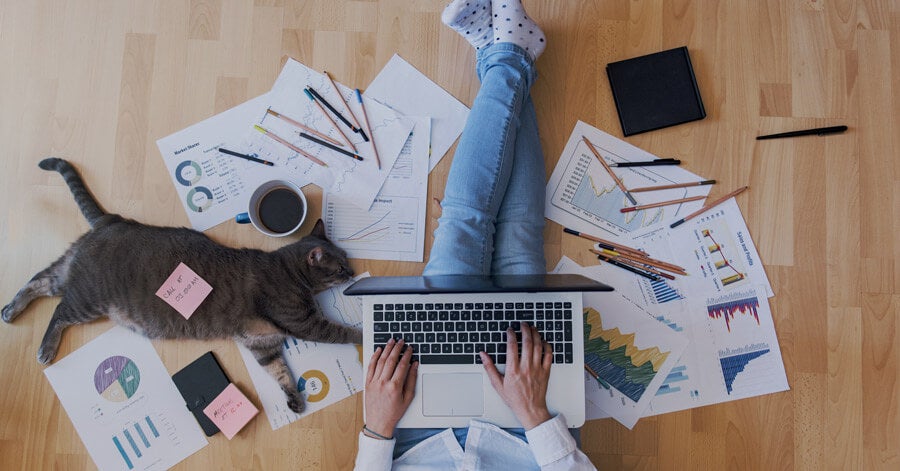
[(295, 402), (45, 357), (10, 312)]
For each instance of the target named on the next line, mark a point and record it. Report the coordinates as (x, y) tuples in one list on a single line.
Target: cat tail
[(86, 202)]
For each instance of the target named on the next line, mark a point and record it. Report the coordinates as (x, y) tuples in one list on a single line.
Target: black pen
[(332, 109), (647, 163), (805, 132), (330, 146), (245, 156)]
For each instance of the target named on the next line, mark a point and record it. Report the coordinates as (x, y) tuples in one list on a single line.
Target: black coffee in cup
[(281, 210)]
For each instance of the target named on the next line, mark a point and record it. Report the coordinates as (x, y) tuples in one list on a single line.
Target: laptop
[(447, 320)]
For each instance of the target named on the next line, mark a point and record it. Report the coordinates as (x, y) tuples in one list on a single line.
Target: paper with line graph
[(583, 196), (325, 373), (356, 181), (393, 228)]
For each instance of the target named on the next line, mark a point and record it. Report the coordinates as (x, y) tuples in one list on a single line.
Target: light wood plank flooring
[(97, 82)]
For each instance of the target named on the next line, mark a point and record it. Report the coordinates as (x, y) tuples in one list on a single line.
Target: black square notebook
[(655, 91), (199, 383)]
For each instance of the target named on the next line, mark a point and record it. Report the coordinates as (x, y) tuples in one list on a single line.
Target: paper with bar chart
[(124, 405), (583, 196), (393, 228), (325, 373)]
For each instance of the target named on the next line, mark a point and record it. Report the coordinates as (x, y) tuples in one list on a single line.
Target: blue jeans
[(492, 219)]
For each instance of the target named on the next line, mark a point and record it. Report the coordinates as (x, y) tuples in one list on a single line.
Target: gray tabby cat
[(258, 298)]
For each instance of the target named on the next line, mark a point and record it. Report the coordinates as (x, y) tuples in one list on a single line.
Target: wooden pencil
[(287, 144), (609, 170), (639, 264), (672, 187), (368, 128), (303, 127), (328, 117), (708, 207), (337, 91), (661, 203), (618, 247)]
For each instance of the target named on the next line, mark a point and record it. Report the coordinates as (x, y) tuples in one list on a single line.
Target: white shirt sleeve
[(374, 454), (554, 447)]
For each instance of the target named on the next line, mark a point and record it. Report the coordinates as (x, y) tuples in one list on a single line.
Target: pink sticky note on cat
[(184, 290), (230, 411)]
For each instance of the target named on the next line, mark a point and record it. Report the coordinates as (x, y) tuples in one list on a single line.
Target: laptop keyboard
[(454, 333)]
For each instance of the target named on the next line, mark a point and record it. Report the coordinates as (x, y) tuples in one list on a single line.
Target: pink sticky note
[(230, 411), (184, 290)]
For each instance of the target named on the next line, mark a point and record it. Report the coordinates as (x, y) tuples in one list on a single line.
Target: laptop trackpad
[(452, 394)]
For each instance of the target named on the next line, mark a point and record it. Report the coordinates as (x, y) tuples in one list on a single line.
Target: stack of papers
[(667, 345)]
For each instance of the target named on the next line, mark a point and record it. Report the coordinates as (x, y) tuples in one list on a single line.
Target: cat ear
[(315, 255), (319, 230)]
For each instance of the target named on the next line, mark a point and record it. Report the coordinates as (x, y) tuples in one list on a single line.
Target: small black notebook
[(200, 383), (655, 91)]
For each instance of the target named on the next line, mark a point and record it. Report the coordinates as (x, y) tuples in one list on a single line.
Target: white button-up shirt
[(550, 447)]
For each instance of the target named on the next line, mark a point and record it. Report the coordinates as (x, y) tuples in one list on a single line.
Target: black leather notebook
[(655, 91), (199, 383)]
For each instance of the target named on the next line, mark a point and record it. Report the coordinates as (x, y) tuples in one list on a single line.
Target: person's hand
[(390, 386), (524, 385)]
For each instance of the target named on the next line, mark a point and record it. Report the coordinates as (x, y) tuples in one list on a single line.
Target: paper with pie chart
[(124, 405), (324, 373)]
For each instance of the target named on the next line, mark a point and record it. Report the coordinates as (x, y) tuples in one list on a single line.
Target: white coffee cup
[(277, 208)]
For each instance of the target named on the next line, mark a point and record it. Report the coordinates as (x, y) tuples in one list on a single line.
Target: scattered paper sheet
[(325, 373), (394, 227), (581, 194), (124, 405), (409, 92), (212, 186), (355, 181)]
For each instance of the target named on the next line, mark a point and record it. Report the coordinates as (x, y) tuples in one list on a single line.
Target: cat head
[(326, 264)]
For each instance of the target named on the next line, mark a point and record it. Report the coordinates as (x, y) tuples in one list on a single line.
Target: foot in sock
[(471, 19), (512, 25)]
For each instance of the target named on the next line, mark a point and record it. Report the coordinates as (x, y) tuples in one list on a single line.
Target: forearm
[(374, 454), (554, 447)]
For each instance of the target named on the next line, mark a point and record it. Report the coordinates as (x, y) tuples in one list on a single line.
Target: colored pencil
[(303, 127), (245, 156), (330, 146), (708, 207), (672, 187), (610, 171), (639, 264), (608, 244), (623, 266), (357, 128), (661, 203), (596, 376), (328, 117), (368, 128), (287, 144)]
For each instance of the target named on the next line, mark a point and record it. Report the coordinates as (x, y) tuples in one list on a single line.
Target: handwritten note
[(184, 290), (230, 411)]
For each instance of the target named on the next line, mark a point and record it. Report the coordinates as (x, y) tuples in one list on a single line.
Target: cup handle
[(242, 218)]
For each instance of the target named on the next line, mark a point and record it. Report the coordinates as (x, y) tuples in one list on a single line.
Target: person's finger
[(527, 347), (512, 350), (548, 356), (494, 375), (379, 370), (409, 387), (403, 367), (373, 364), (391, 362), (537, 353)]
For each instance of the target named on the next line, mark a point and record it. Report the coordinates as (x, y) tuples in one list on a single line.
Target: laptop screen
[(473, 284)]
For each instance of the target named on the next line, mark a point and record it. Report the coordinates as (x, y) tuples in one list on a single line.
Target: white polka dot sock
[(512, 25), (471, 19)]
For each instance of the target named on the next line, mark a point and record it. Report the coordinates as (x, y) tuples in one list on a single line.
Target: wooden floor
[(98, 82)]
